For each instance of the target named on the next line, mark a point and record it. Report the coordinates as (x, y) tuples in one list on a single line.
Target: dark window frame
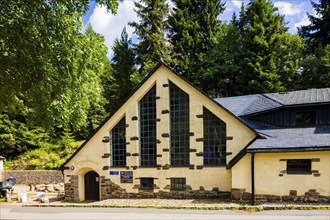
[(179, 127), (214, 139), (305, 118), (118, 144), (147, 183), (299, 166), (178, 184), (148, 129)]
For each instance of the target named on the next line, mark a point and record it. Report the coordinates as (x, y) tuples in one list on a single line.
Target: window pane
[(146, 183), (178, 183), (118, 144), (179, 126), (147, 108), (214, 139), (301, 166)]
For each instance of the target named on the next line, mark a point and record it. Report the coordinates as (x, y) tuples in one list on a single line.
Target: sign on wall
[(126, 176), (114, 172)]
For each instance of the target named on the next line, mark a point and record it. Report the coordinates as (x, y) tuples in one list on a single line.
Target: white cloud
[(303, 22), (237, 3), (288, 9), (110, 25)]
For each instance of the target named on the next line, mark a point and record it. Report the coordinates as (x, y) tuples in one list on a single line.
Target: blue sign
[(114, 172)]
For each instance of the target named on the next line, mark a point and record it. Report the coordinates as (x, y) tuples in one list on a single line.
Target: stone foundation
[(110, 190), (312, 196), (71, 189)]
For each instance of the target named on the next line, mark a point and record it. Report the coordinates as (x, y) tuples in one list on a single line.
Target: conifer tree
[(193, 28), (220, 66), (152, 46), (318, 32), (316, 64), (265, 39), (124, 76)]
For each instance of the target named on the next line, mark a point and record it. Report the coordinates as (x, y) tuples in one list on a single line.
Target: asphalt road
[(16, 212)]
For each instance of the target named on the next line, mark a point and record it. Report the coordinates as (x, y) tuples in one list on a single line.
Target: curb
[(233, 208)]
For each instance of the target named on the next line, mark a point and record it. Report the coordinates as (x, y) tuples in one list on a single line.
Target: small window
[(178, 183), (302, 166), (147, 183), (305, 118)]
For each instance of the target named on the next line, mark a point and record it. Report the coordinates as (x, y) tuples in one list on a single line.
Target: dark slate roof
[(251, 104), (275, 139), (301, 97), (289, 139)]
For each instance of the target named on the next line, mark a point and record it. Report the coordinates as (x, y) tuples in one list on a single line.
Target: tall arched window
[(214, 139), (179, 126), (118, 144), (147, 111)]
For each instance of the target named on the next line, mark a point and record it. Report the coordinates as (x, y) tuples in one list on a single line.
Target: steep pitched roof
[(140, 84)]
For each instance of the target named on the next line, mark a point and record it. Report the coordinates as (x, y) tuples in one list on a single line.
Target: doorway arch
[(92, 186)]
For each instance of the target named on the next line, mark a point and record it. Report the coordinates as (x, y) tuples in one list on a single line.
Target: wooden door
[(92, 186)]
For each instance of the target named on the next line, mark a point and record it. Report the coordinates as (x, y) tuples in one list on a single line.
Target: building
[(168, 139)]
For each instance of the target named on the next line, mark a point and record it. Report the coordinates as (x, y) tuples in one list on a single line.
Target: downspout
[(252, 180)]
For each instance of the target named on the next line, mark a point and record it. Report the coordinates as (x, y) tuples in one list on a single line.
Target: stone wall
[(71, 189), (310, 197), (111, 190), (34, 177)]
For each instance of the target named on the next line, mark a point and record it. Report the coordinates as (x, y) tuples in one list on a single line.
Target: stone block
[(22, 197), (287, 198), (40, 195), (40, 187), (293, 192), (247, 196), (272, 198), (49, 188), (44, 200), (312, 199)]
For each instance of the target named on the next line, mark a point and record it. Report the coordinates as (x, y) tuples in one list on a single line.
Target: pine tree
[(316, 63), (152, 46), (318, 32), (265, 50), (220, 66), (193, 27), (124, 76)]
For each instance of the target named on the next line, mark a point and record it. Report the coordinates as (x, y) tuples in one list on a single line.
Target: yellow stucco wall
[(90, 156), (268, 167), (241, 174)]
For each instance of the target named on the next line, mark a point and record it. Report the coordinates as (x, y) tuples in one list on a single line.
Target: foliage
[(48, 156), (316, 69), (16, 138), (220, 67), (270, 55), (48, 64), (193, 27), (152, 46), (124, 75), (318, 32)]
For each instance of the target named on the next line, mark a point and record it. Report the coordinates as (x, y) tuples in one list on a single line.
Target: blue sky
[(110, 26)]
